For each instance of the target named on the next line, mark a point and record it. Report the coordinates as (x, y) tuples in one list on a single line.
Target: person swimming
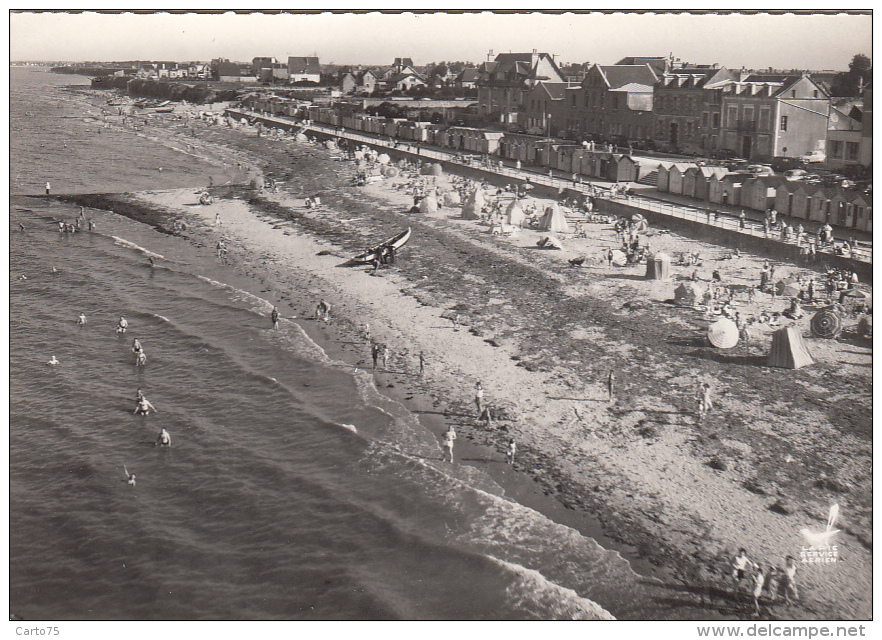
[(53, 361), (122, 326), (81, 319), (144, 407), (164, 439), (130, 477)]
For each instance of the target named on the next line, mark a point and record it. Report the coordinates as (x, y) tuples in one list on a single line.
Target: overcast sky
[(757, 41)]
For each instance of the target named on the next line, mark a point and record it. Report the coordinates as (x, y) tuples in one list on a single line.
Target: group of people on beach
[(772, 582)]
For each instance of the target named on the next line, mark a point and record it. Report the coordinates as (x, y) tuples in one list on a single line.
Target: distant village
[(659, 103)]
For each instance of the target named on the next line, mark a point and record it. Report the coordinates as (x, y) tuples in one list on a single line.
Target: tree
[(850, 83)]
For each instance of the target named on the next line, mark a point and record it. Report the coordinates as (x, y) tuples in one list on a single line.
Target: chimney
[(534, 59), (489, 55)]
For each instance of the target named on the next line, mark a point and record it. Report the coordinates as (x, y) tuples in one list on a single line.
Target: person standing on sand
[(274, 316), (449, 437), (705, 401), (375, 353), (422, 364), (48, 187), (479, 398), (386, 355), (510, 453), (789, 580), (611, 386), (759, 580), (367, 331)]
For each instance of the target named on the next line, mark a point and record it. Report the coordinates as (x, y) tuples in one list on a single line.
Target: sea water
[(293, 489)]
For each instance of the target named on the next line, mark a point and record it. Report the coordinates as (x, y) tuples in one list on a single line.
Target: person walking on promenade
[(479, 398), (449, 437), (741, 219), (375, 353), (510, 452), (422, 364)]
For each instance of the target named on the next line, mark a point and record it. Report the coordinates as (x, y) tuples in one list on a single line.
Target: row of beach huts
[(847, 208)]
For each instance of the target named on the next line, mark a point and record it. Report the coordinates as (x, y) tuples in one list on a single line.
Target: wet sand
[(541, 335)]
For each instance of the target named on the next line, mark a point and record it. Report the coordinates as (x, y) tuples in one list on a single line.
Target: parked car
[(815, 156), (795, 174)]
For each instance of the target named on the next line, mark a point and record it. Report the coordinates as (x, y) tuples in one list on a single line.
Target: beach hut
[(663, 177), (826, 323), (723, 334), (622, 168), (788, 350), (675, 176), (863, 216), (726, 188), (554, 220), (784, 196), (688, 294), (758, 192), (471, 210), (690, 176), (514, 214), (658, 267)]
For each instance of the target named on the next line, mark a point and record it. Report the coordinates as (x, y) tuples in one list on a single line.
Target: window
[(793, 93), (716, 121), (615, 102), (836, 148), (815, 93), (764, 120), (704, 120), (851, 150), (783, 123), (732, 116)]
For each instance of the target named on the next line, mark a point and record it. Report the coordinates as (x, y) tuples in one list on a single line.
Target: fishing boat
[(394, 243)]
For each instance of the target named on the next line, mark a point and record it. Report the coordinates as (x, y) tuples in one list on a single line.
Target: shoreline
[(572, 487)]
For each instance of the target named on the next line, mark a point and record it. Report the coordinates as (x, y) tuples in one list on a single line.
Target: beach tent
[(514, 214), (554, 220), (658, 267), (383, 158), (330, 144), (257, 182), (788, 349), (471, 210), (723, 333), (451, 199), (549, 242), (688, 294), (301, 137), (826, 323), (787, 288), (865, 326), (619, 258), (429, 204)]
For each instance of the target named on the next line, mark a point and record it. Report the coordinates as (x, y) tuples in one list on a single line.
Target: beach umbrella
[(827, 323), (527, 186), (638, 217), (787, 288), (550, 242), (383, 158), (390, 172), (619, 258), (723, 334), (854, 297)]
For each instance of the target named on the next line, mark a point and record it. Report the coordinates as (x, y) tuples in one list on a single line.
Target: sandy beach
[(541, 335)]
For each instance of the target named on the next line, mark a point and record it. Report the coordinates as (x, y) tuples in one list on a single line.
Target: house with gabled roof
[(772, 116), (503, 83), (615, 103), (545, 108), (304, 69), (467, 78)]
